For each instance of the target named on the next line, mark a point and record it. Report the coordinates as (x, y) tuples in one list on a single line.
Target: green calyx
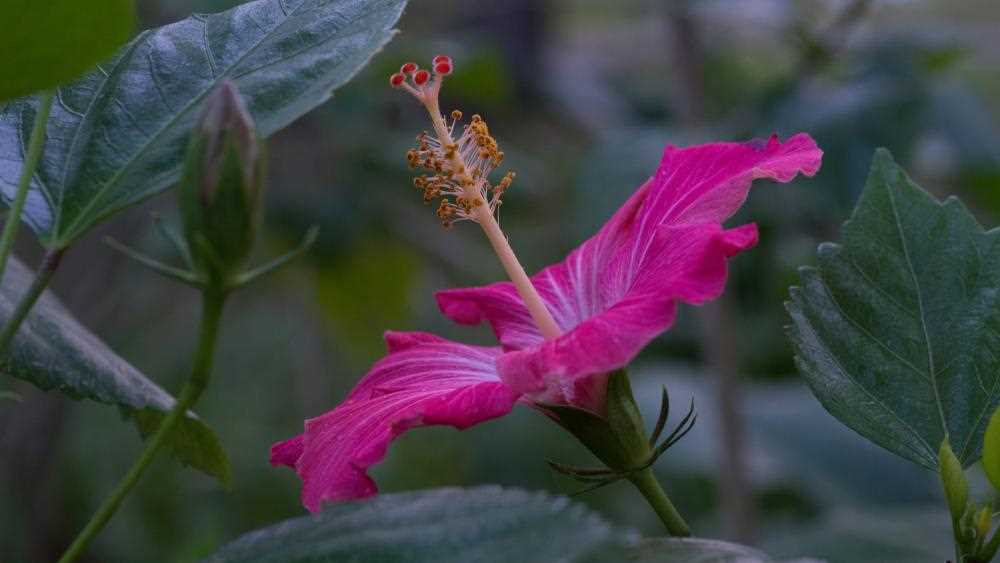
[(619, 441)]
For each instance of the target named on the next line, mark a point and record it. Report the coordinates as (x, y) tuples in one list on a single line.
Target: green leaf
[(49, 43), (483, 524), (694, 550), (54, 351), (897, 328), (991, 450), (117, 136)]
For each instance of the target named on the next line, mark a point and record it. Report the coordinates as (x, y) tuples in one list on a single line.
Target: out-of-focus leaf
[(117, 135), (991, 450), (894, 330), (877, 535), (49, 43), (54, 351), (361, 297), (483, 524), (696, 550)]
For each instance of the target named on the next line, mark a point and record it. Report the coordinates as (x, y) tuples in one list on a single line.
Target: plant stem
[(657, 498), (212, 304), (50, 262), (21, 196)]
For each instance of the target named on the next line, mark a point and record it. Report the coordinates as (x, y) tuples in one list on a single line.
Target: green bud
[(991, 450), (956, 488), (222, 186)]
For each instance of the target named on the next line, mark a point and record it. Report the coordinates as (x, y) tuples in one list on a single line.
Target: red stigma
[(442, 59), (421, 77), (408, 68), (396, 80), (443, 67)]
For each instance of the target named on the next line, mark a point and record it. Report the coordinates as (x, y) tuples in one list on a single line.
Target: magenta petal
[(708, 183), (425, 380), (697, 185), (683, 264), (288, 452)]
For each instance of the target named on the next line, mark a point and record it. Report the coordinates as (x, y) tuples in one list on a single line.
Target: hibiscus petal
[(709, 183), (425, 380), (685, 263), (698, 185)]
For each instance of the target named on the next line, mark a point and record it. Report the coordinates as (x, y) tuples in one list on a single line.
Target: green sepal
[(956, 487), (625, 419), (592, 431)]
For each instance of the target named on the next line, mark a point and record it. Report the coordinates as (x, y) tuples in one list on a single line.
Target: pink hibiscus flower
[(608, 299)]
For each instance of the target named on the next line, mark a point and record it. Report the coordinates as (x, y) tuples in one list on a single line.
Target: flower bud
[(956, 488), (222, 186)]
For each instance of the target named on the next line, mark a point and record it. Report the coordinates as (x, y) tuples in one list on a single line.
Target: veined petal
[(572, 289), (685, 263), (693, 186), (709, 183), (425, 380)]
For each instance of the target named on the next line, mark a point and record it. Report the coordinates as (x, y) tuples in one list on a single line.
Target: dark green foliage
[(483, 524), (54, 351), (895, 331), (118, 135)]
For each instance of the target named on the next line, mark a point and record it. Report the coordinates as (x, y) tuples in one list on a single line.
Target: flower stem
[(21, 196), (657, 498), (212, 304), (50, 262)]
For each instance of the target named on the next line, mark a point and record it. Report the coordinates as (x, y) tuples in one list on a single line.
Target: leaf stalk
[(35, 146), (47, 269), (213, 302)]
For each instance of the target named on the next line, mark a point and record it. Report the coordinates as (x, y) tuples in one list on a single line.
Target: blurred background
[(582, 95)]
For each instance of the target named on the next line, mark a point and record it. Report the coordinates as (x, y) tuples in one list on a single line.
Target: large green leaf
[(897, 328), (483, 524), (54, 351), (696, 550), (49, 43), (117, 136)]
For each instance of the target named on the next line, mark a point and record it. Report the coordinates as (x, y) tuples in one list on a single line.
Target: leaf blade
[(483, 524), (52, 350), (118, 134), (696, 550), (893, 330)]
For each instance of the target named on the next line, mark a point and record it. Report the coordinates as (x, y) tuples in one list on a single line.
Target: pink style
[(610, 297)]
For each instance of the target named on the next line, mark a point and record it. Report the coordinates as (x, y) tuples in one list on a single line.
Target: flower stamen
[(457, 172)]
